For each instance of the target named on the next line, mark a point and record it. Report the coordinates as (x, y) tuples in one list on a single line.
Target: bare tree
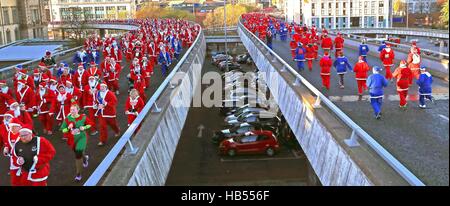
[(77, 22)]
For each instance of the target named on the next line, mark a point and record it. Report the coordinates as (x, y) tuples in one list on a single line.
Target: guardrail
[(403, 47), (396, 31), (357, 131), (126, 137), (402, 29)]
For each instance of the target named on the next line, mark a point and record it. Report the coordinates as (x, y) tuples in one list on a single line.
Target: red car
[(255, 142)]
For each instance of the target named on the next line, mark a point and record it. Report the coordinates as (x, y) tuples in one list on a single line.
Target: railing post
[(283, 68), (297, 82), (274, 59), (353, 140), (156, 109), (317, 103), (130, 149)]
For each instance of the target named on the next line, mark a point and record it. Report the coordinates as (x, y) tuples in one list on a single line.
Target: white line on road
[(412, 97), (443, 117)]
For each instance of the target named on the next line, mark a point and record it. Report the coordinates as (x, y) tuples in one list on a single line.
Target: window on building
[(16, 33), (1, 38), (313, 6), (322, 6), (6, 19), (111, 12), (122, 11), (351, 4), (88, 13), (15, 15), (63, 1), (99, 12), (380, 4), (8, 36), (35, 17), (66, 14)]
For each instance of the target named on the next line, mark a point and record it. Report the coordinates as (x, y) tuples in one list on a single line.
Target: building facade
[(66, 10), (33, 21), (335, 14), (9, 21), (421, 6)]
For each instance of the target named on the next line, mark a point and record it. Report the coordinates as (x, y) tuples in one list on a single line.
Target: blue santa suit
[(381, 47), (300, 57), (176, 48), (165, 61), (283, 32), (341, 64), (424, 82), (95, 56), (376, 82), (363, 51), (80, 58)]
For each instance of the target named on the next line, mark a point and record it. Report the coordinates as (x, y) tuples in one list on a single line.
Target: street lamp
[(225, 28)]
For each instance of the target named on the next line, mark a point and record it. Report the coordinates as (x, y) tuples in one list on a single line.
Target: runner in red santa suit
[(66, 74), (20, 112), (33, 154), (112, 76), (327, 43), (138, 78), (25, 96), (106, 112), (22, 75), (414, 60), (74, 92), (309, 55), (152, 53), (133, 106), (325, 64), (5, 96), (361, 68), (403, 75), (89, 100), (148, 71), (10, 136), (61, 104), (44, 99), (293, 46), (338, 43), (387, 57)]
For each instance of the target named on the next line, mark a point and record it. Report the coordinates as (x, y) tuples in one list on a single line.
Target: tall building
[(65, 10), (9, 19), (33, 21), (334, 14), (420, 6)]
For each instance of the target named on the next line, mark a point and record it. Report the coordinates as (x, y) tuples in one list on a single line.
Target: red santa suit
[(414, 59), (117, 55), (39, 158), (404, 76), (138, 80), (22, 75), (387, 57), (64, 77), (309, 56), (61, 105), (94, 71), (133, 107), (338, 44), (325, 72), (80, 78), (327, 44), (148, 72), (112, 76), (89, 100), (25, 96), (5, 97), (9, 139), (74, 92), (44, 100), (293, 46), (106, 113), (152, 53), (361, 68)]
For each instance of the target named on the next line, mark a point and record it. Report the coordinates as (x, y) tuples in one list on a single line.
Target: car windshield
[(243, 129), (248, 139)]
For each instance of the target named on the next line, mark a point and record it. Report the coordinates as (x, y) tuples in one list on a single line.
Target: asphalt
[(418, 138), (197, 162), (62, 167)]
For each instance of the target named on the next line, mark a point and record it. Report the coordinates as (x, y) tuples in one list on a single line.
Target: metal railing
[(126, 137), (400, 29), (357, 131), (402, 47)]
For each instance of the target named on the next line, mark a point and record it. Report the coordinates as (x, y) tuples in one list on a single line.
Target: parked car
[(256, 118), (226, 133), (219, 58), (244, 59), (244, 112), (231, 65), (230, 110), (255, 142)]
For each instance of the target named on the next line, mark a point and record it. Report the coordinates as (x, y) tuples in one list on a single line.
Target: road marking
[(443, 117), (412, 97), (200, 130)]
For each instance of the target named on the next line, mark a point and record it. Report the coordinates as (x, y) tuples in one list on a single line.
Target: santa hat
[(402, 63), (91, 77), (22, 71), (42, 64), (60, 85), (360, 59), (14, 121), (48, 53), (69, 82), (2, 82), (325, 53), (92, 63), (45, 77), (53, 79), (36, 72), (376, 69), (423, 68), (80, 65), (26, 128), (388, 45), (42, 84), (414, 43), (9, 113), (12, 102), (103, 83), (19, 67)]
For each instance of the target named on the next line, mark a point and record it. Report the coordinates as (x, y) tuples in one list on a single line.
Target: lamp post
[(225, 29)]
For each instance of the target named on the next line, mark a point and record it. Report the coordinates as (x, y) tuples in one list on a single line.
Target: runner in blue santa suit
[(300, 57), (424, 82), (283, 32), (363, 50), (341, 64), (376, 83)]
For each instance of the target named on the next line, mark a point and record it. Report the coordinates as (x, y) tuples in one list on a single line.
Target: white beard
[(92, 84), (388, 49), (17, 112), (41, 92)]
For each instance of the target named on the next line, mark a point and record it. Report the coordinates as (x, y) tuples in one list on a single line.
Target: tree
[(399, 6), (216, 18), (154, 11), (444, 14), (76, 19)]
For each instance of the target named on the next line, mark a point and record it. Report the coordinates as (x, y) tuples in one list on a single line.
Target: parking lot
[(197, 162)]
